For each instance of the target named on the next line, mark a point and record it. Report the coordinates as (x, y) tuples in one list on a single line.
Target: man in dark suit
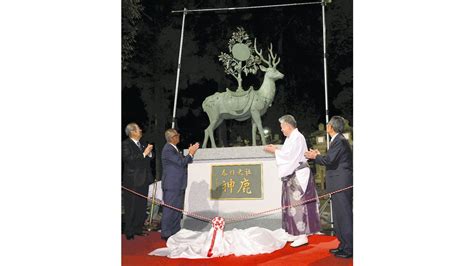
[(137, 176), (338, 162), (174, 181)]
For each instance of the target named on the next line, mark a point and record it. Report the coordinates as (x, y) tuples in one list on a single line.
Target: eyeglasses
[(177, 134)]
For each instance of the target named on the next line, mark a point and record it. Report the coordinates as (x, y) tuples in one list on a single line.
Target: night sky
[(148, 82)]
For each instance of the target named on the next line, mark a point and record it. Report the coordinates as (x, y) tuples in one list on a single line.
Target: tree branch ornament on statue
[(243, 104)]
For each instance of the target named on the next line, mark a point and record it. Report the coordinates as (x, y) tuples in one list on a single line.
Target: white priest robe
[(290, 156)]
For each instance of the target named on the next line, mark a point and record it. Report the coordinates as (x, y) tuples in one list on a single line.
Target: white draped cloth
[(290, 156), (158, 192), (195, 245)]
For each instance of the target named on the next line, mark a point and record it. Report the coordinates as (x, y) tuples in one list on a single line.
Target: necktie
[(139, 146), (180, 154)]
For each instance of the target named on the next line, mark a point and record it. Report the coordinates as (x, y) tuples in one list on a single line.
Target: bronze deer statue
[(244, 105)]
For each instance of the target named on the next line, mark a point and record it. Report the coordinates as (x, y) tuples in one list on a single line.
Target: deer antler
[(271, 57), (259, 53)]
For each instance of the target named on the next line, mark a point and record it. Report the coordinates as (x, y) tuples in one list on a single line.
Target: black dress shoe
[(343, 254), (335, 250), (129, 237), (141, 234)]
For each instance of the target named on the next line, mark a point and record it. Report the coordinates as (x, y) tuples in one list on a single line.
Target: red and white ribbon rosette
[(218, 223)]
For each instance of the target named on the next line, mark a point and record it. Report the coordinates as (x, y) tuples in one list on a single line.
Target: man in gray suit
[(338, 162), (174, 181)]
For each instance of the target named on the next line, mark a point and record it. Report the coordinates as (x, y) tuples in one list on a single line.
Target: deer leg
[(211, 133), (206, 137), (254, 133), (208, 134), (258, 121), (207, 130)]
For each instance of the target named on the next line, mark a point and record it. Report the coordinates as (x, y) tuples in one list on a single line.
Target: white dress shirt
[(174, 146), (136, 143)]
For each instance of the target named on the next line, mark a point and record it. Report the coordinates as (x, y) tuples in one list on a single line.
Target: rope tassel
[(218, 223)]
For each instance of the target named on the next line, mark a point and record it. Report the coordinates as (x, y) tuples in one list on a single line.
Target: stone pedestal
[(198, 192)]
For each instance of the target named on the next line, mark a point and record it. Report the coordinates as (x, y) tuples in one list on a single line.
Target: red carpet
[(316, 253)]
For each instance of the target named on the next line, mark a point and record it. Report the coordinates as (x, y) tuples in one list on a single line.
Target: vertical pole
[(326, 95), (325, 71), (178, 70)]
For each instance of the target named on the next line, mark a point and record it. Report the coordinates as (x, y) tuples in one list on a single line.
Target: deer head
[(272, 62)]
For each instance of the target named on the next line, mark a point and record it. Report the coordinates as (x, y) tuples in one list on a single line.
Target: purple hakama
[(302, 219)]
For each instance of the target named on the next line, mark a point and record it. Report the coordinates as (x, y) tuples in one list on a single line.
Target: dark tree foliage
[(131, 17)]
